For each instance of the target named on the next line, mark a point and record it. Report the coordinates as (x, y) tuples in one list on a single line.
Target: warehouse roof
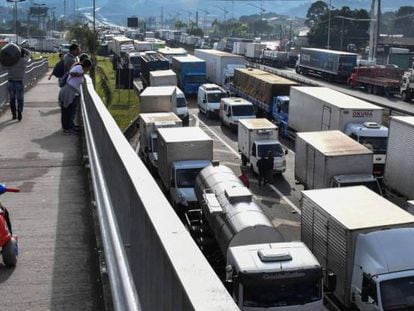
[(333, 143), (358, 207), (336, 98)]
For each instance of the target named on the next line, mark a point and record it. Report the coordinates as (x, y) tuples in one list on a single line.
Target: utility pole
[(371, 54), (329, 25), (377, 35), (196, 19)]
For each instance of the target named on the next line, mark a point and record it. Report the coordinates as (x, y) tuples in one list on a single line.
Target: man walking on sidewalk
[(16, 75)]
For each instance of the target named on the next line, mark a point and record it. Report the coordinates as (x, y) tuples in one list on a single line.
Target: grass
[(52, 57), (124, 105)]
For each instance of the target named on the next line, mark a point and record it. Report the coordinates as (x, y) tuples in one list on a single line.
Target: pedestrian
[(244, 178), (69, 95), (269, 168), (15, 76), (261, 167), (71, 57), (58, 70)]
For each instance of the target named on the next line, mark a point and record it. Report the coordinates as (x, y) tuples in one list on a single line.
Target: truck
[(327, 159), (233, 109), (142, 46), (363, 243), (169, 53), (254, 50), (164, 99), (134, 63), (190, 71), (321, 108), (152, 62), (328, 64), (163, 78), (120, 45), (219, 65), (274, 58), (208, 99), (259, 87), (149, 123), (182, 154), (407, 86), (230, 41), (258, 137), (399, 167), (378, 80), (248, 253)]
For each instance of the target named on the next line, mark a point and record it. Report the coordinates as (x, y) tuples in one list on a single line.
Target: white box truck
[(220, 65), (399, 168), (321, 109), (182, 154), (258, 137), (325, 159), (364, 243), (149, 123), (164, 99), (233, 109), (254, 50), (163, 78)]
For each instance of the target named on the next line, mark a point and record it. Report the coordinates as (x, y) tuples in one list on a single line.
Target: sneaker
[(14, 117), (69, 132), (19, 115)]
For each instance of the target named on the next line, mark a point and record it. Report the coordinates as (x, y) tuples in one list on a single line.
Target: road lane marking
[(277, 191)]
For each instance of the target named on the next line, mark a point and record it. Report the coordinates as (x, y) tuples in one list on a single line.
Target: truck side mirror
[(330, 281)]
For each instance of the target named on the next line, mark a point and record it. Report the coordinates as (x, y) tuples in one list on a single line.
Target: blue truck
[(190, 71), (328, 64)]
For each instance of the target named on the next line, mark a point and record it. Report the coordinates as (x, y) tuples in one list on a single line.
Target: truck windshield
[(243, 110), (181, 102), (186, 177), (398, 294), (278, 294), (276, 150), (215, 97), (375, 144)]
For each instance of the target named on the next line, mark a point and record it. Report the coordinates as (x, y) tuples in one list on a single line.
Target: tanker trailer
[(262, 271)]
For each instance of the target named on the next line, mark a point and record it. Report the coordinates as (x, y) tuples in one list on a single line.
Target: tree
[(315, 13), (404, 21), (180, 24)]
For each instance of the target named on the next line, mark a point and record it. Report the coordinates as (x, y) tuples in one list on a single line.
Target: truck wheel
[(10, 253)]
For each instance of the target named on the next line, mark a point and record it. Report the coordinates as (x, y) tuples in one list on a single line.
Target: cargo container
[(254, 50), (152, 62), (320, 156), (378, 80), (239, 48), (149, 123), (364, 243), (169, 53), (229, 43), (182, 154), (163, 78), (261, 86), (399, 166), (190, 71), (218, 64), (328, 64)]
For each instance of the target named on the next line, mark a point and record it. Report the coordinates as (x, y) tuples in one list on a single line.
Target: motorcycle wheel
[(10, 253)]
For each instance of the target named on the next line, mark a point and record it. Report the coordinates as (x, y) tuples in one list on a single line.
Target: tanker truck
[(261, 270)]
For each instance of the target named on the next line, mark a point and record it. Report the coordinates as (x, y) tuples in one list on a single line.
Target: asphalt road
[(281, 199)]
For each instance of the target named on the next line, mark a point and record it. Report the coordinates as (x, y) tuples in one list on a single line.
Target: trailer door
[(326, 118)]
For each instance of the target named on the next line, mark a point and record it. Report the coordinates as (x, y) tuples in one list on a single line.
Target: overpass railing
[(152, 261), (34, 70)]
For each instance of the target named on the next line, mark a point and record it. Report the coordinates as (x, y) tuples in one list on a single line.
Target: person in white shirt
[(70, 92)]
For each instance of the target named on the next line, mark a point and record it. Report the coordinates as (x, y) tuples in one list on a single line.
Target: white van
[(232, 109), (208, 99)]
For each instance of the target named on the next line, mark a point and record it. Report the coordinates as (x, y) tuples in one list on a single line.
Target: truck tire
[(9, 253)]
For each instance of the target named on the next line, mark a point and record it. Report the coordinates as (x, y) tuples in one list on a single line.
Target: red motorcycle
[(8, 242)]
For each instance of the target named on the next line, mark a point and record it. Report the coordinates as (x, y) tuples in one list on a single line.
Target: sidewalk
[(57, 267)]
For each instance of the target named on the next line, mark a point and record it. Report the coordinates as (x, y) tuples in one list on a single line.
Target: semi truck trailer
[(264, 272), (182, 154), (364, 244)]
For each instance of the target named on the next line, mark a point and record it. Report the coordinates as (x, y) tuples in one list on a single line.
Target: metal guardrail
[(34, 70), (151, 259)]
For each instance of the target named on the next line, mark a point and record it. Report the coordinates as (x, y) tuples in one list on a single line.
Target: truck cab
[(183, 175), (274, 276), (232, 109), (373, 136), (208, 99), (280, 113), (367, 180), (261, 148), (385, 283)]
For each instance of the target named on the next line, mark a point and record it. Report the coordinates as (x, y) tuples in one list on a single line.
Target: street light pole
[(15, 17), (329, 25)]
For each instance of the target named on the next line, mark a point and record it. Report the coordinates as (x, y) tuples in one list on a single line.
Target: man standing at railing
[(16, 74)]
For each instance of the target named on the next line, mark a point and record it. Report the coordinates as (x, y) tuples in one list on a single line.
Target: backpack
[(59, 69), (63, 79)]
